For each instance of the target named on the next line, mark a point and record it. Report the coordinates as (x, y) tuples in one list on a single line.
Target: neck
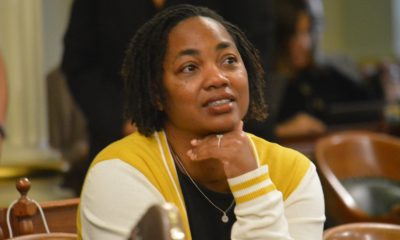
[(209, 173), (221, 186)]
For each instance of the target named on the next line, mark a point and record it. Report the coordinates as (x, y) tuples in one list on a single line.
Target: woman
[(191, 78), (309, 90)]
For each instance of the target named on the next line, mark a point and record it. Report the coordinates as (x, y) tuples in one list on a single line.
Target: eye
[(188, 68), (230, 60)]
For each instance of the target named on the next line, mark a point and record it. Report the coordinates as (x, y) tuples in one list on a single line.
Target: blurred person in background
[(306, 91), (94, 44)]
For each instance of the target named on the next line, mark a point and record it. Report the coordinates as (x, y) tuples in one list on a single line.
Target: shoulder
[(132, 146), (287, 167), (137, 150), (273, 153), (144, 154)]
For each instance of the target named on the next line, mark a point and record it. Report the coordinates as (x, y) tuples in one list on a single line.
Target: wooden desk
[(306, 144)]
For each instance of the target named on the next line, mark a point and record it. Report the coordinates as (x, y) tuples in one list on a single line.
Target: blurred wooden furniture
[(47, 236), (307, 144), (161, 222), (26, 220), (360, 174), (363, 231)]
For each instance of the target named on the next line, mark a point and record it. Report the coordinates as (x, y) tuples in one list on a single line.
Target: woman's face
[(300, 44), (204, 78)]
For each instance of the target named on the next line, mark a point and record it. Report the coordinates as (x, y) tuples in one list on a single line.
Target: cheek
[(169, 93), (243, 89), (294, 50), (244, 80), (298, 55), (178, 96)]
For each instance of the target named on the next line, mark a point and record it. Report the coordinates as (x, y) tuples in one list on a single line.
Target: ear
[(159, 106), (158, 103)]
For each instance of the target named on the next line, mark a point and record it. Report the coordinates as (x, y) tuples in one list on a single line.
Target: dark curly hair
[(287, 14), (142, 70)]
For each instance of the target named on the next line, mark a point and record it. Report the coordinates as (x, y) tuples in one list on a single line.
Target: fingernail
[(191, 155)]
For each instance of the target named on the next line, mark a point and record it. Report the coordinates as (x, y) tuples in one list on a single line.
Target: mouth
[(220, 104)]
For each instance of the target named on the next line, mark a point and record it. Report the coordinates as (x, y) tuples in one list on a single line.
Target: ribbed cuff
[(251, 185)]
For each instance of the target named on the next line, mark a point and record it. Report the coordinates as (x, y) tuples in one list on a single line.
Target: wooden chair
[(363, 231), (47, 236), (360, 173), (26, 221), (161, 222)]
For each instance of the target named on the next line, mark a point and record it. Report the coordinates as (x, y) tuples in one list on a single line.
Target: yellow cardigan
[(152, 157)]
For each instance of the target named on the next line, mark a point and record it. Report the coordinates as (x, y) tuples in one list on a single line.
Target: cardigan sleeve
[(114, 197), (305, 208), (262, 213)]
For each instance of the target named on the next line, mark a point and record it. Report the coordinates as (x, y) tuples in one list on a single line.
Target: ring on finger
[(219, 137)]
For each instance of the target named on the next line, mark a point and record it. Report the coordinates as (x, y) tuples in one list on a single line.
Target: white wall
[(362, 29), (30, 40), (396, 26), (55, 19)]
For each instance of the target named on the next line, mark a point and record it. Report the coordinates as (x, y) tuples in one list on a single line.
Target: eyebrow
[(223, 45), (190, 52), (194, 52)]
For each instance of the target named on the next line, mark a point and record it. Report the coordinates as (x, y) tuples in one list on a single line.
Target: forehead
[(196, 31), (303, 20)]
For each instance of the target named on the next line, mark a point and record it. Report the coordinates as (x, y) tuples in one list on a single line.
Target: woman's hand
[(232, 149)]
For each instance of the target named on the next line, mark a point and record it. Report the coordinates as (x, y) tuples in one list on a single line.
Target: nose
[(215, 77), (306, 41)]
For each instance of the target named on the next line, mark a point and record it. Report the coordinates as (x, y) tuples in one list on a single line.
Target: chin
[(225, 126)]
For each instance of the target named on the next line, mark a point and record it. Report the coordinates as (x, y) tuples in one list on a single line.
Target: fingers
[(232, 149), (216, 145), (205, 148)]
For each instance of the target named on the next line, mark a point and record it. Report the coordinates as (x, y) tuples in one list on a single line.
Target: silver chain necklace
[(224, 217)]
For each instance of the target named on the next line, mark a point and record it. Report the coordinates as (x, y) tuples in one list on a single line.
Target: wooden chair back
[(162, 222), (25, 218), (363, 231), (356, 154), (47, 236)]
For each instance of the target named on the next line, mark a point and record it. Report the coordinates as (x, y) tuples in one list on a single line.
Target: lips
[(220, 104), (219, 100)]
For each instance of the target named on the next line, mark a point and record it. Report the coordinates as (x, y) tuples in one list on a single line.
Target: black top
[(204, 219), (318, 92)]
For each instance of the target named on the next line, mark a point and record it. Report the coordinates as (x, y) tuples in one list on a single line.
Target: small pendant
[(224, 218)]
